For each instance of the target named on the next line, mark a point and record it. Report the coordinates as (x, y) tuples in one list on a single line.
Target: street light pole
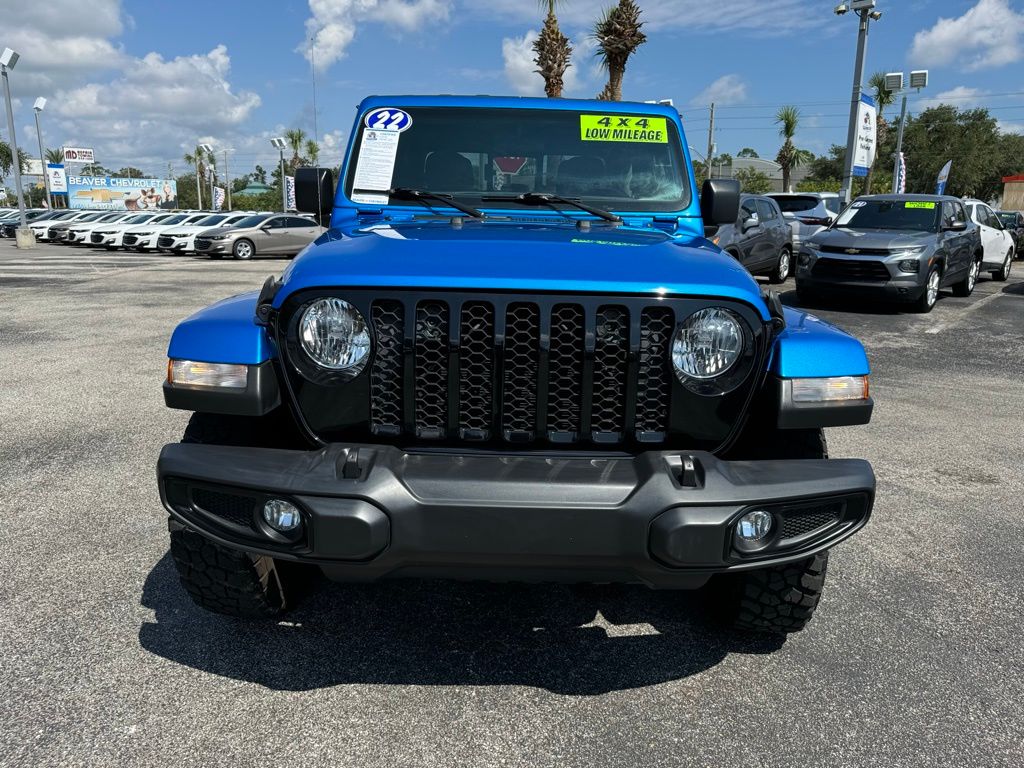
[(227, 178), (279, 144), (918, 80), (37, 108), (865, 12), (24, 238)]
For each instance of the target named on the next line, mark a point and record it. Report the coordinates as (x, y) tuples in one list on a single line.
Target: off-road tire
[(966, 286), (781, 599), (777, 276), (777, 601), (225, 581)]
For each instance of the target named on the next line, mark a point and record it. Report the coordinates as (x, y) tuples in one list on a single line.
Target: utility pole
[(227, 179), (918, 80), (711, 140), (24, 238)]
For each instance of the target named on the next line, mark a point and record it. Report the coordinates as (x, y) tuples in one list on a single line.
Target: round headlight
[(708, 343), (334, 334)]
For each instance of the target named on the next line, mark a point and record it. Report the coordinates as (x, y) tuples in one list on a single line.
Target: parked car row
[(238, 234)]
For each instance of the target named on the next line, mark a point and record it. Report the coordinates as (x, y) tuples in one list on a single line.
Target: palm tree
[(197, 160), (312, 151), (883, 98), (55, 155), (553, 52), (296, 138), (789, 156), (618, 34)]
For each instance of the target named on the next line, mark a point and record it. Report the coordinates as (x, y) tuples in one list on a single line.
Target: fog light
[(282, 515), (753, 530)]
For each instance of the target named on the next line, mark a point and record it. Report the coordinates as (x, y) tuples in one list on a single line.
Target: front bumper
[(373, 511)]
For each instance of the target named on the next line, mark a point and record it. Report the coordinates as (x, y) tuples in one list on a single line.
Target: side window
[(948, 214), (832, 205), (748, 211), (278, 223), (765, 210), (959, 214), (993, 220), (298, 221)]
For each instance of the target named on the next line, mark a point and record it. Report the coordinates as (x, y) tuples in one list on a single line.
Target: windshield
[(251, 221), (210, 221), (141, 218), (169, 219), (795, 204), (910, 215), (630, 162)]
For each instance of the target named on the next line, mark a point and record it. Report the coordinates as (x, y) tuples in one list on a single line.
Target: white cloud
[(61, 43), (962, 97), (728, 89), (155, 108), (521, 69), (334, 22), (987, 35)]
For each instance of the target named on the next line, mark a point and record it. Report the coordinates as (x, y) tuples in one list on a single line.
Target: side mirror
[(720, 201), (265, 230), (751, 221), (956, 226), (314, 192)]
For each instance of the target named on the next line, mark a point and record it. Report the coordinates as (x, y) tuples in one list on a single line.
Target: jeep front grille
[(519, 371)]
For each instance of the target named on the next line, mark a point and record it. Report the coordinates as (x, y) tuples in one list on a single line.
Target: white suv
[(996, 242)]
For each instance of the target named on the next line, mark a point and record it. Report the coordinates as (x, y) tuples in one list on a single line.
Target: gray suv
[(898, 247), (807, 212), (759, 239)]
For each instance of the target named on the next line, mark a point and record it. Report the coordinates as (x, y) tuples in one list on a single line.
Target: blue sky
[(141, 82)]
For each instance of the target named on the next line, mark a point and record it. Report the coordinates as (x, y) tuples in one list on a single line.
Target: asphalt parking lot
[(914, 657)]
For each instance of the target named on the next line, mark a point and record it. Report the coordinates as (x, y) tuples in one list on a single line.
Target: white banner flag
[(219, 195), (289, 185)]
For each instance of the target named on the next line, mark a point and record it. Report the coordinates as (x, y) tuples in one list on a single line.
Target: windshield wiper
[(422, 196), (542, 198)]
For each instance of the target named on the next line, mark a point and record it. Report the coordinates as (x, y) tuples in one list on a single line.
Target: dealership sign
[(58, 179), (864, 149), (119, 194), (79, 155)]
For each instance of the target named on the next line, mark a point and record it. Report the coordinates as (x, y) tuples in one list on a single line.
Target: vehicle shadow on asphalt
[(840, 303), (449, 633)]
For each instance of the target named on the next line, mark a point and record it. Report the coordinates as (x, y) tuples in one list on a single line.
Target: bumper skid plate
[(661, 518)]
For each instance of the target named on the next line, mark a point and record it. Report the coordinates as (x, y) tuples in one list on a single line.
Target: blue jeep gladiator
[(514, 356)]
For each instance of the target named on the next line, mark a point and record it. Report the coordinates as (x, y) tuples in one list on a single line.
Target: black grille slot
[(386, 372), (165, 242), (431, 370), (654, 389), (611, 358), (234, 509), (850, 269), (860, 251), (797, 522), (519, 393), (565, 372), (476, 370)]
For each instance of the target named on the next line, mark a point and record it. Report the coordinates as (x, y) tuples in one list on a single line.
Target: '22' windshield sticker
[(388, 119)]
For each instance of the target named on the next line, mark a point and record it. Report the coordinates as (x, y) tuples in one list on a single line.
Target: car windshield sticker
[(388, 119), (375, 167), (646, 130), (858, 204), (919, 204)]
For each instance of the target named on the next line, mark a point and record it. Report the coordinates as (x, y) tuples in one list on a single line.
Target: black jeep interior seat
[(447, 172)]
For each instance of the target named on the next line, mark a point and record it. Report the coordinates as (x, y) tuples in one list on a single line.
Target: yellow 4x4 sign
[(647, 130)]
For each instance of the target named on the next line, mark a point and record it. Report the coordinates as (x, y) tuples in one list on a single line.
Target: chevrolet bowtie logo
[(853, 250)]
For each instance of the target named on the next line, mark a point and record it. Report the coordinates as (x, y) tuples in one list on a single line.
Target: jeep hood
[(518, 256), (866, 238)]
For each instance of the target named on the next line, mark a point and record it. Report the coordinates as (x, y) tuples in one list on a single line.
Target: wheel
[(781, 599), (781, 271), (225, 581), (244, 249), (966, 286), (777, 601), (930, 294), (1003, 273), (221, 579)]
